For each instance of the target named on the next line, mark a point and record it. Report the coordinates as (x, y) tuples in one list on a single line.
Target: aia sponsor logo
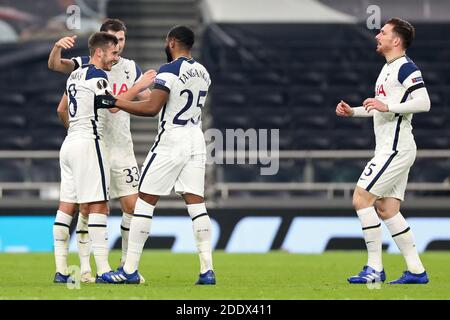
[(380, 91), (123, 88)]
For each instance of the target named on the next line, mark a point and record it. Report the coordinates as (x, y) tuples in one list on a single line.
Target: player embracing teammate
[(125, 79)]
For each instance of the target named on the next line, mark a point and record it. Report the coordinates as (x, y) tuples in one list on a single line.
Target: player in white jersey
[(127, 80), (83, 155), (400, 92), (178, 156)]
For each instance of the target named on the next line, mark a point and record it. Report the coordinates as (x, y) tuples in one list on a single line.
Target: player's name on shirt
[(78, 76), (191, 73)]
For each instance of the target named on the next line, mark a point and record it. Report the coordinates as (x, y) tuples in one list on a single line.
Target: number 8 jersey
[(83, 85), (85, 171)]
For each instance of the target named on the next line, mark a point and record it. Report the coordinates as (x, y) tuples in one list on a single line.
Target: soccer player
[(178, 155), (83, 155), (124, 170), (400, 92)]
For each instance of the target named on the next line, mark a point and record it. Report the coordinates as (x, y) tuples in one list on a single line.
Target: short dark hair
[(115, 25), (183, 34), (101, 40), (404, 30)]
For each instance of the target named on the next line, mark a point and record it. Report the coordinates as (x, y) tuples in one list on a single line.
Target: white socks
[(61, 236), (139, 232), (371, 226), (99, 237), (125, 231), (202, 234), (403, 237), (83, 243)]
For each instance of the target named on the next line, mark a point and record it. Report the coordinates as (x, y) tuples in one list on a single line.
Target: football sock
[(83, 243), (371, 227), (404, 238), (139, 231), (201, 225), (61, 236), (125, 231), (99, 237)]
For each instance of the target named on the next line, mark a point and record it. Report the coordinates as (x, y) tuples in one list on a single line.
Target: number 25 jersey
[(187, 83)]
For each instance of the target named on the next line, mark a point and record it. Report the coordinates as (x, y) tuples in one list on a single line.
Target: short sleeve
[(167, 75), (102, 87), (409, 75), (79, 61), (98, 80), (138, 72)]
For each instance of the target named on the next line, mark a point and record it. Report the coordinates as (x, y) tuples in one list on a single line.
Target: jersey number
[(72, 101), (201, 94), (369, 168), (132, 174)]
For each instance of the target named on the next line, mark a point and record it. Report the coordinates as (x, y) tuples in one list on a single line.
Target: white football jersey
[(188, 82), (397, 79), (123, 75), (82, 86)]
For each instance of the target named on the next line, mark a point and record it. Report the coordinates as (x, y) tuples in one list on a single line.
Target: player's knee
[(99, 207), (361, 199), (149, 198), (381, 211), (386, 210), (128, 203), (385, 213), (67, 208), (191, 198), (84, 209), (128, 207)]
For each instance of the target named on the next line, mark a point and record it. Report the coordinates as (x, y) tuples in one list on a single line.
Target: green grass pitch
[(276, 275)]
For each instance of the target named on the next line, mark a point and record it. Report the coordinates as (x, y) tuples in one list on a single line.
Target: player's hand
[(147, 79), (104, 101), (66, 42), (344, 110), (374, 104), (114, 110)]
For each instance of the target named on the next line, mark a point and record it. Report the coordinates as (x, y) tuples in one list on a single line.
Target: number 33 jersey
[(82, 86)]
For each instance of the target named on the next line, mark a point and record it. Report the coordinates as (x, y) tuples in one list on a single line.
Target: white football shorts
[(177, 160), (386, 174), (124, 171), (84, 171)]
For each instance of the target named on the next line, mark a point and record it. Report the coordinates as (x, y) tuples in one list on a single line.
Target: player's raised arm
[(62, 111), (55, 62)]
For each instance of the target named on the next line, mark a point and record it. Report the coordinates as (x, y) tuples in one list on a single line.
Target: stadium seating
[(291, 76), (286, 76)]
